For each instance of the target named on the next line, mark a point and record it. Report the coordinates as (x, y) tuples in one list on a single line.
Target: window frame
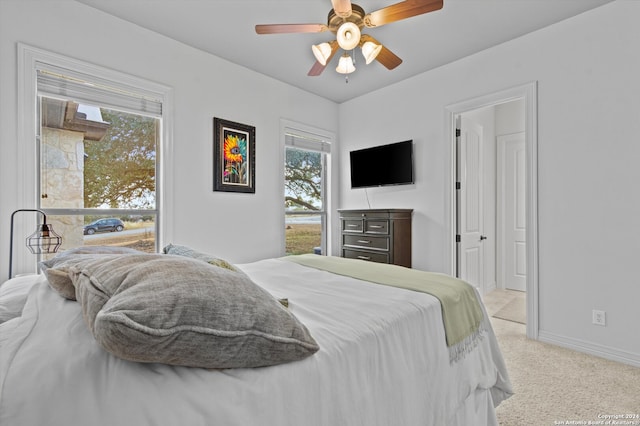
[(315, 140), (29, 60)]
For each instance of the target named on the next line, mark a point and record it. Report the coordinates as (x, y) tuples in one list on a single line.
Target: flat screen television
[(383, 165)]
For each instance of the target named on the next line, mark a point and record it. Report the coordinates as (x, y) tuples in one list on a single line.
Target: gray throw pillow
[(195, 254), (182, 311), (56, 268)]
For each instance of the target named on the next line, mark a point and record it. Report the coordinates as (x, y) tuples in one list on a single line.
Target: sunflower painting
[(234, 152)]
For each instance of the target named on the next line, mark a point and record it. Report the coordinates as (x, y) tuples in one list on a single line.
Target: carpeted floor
[(556, 386)]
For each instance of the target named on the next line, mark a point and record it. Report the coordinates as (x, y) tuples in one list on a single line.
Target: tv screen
[(382, 165)]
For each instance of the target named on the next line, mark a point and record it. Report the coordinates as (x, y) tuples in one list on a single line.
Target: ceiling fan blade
[(342, 8), (290, 28), (317, 68), (403, 10), (387, 58)]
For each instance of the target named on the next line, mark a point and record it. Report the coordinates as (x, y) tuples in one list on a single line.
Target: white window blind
[(306, 142), (60, 82)]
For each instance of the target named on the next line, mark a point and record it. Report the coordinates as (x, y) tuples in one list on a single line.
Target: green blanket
[(461, 312)]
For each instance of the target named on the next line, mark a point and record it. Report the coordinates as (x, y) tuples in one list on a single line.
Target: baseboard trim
[(590, 348)]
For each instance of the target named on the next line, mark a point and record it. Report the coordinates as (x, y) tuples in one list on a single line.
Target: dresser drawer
[(377, 235), (366, 241), (373, 226), (352, 225), (373, 257)]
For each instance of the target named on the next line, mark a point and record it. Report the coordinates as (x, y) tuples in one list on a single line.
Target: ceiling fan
[(346, 20)]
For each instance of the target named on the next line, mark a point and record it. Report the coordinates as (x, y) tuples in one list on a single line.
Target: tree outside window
[(98, 163), (304, 201), (120, 169)]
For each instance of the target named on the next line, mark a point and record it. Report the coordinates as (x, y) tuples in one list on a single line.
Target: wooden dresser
[(379, 235)]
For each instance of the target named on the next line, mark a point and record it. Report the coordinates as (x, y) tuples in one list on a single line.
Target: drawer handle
[(364, 258), (350, 225), (376, 226), (364, 241)]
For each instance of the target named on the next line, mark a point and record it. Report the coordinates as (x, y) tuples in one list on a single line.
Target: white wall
[(587, 70), (239, 227), (510, 118)]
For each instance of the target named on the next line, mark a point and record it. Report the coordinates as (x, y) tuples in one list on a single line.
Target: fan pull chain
[(353, 60)]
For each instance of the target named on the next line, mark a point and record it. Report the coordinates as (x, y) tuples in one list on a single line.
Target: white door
[(512, 212), (470, 209)]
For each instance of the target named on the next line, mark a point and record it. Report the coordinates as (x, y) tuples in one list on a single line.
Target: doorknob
[(482, 237)]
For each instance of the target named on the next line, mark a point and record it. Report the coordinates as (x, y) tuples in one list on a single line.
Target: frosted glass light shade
[(370, 51), (348, 36), (322, 52), (345, 66)]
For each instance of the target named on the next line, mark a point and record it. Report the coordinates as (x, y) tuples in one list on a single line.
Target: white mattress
[(382, 361)]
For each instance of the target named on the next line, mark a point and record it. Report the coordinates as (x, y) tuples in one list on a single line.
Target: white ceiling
[(225, 28)]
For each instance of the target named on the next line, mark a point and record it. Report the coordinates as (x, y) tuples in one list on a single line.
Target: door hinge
[(458, 132), (458, 185), (457, 238)]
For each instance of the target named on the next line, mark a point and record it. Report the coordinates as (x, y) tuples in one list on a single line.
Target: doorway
[(488, 232), (473, 253), (511, 224)]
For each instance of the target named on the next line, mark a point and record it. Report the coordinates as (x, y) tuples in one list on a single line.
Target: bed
[(382, 357)]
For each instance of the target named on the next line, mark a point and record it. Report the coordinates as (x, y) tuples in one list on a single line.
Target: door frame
[(528, 92)]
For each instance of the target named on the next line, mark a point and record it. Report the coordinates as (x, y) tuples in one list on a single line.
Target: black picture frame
[(234, 156)]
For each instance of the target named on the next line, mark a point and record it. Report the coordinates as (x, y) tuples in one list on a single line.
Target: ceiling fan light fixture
[(322, 52), (345, 65), (348, 36), (370, 51)]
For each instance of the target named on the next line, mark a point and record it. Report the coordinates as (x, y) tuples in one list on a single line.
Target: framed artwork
[(234, 158)]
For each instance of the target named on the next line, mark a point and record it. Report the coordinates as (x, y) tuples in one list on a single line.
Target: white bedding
[(383, 360), (13, 295)]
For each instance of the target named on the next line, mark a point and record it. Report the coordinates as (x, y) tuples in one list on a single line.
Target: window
[(305, 192), (99, 140)]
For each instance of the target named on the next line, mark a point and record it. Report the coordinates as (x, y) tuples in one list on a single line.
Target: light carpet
[(554, 385)]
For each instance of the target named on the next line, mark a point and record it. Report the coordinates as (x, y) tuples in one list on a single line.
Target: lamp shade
[(44, 240), (348, 36), (370, 51), (345, 66), (322, 52)]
